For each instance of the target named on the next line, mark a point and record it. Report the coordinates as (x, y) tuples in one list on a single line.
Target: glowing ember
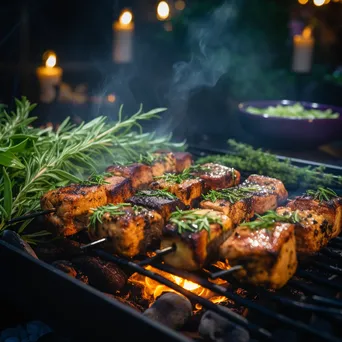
[(151, 289)]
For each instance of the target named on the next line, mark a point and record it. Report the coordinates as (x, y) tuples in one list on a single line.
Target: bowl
[(290, 132)]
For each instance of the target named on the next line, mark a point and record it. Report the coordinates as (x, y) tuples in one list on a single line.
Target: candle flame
[(51, 61), (126, 17), (163, 10), (318, 2), (307, 32)]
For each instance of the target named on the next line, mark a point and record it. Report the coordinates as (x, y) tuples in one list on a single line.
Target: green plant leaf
[(8, 200), (8, 159)]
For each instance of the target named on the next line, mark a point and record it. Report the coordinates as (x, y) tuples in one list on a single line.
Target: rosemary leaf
[(322, 194), (156, 193)]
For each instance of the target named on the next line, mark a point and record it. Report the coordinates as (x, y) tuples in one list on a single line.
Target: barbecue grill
[(309, 307)]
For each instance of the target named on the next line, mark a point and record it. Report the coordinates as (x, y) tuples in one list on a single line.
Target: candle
[(49, 77), (303, 45), (123, 30)]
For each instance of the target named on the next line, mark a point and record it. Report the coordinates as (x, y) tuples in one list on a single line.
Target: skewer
[(29, 216), (220, 274), (159, 253), (94, 243)]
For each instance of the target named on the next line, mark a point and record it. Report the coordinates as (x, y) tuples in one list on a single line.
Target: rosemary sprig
[(191, 221), (245, 157), (157, 193), (96, 179), (232, 195), (322, 194), (111, 209), (270, 217), (188, 173)]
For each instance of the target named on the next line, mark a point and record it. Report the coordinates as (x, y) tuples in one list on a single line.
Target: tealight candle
[(49, 77), (303, 45), (123, 30)]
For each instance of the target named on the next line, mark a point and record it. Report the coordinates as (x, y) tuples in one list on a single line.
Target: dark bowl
[(289, 132)]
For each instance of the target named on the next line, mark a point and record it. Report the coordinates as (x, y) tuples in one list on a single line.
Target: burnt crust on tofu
[(188, 191), (183, 161), (130, 234), (118, 190), (163, 205), (139, 174), (216, 176), (268, 255), (330, 210)]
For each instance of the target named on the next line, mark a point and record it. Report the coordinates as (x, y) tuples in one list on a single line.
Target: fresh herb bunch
[(270, 217), (33, 160), (232, 195), (245, 157), (192, 222), (188, 173), (96, 179), (157, 193), (111, 209), (322, 194)]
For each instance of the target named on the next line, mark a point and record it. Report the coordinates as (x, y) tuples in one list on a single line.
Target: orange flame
[(152, 289)]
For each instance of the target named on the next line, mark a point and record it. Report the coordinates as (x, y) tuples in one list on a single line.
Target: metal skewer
[(94, 243), (220, 274), (159, 253), (29, 216)]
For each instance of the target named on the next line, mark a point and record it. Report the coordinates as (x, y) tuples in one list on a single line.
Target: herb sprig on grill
[(111, 209), (156, 193), (191, 221), (231, 195), (270, 217), (322, 194), (188, 173), (96, 179)]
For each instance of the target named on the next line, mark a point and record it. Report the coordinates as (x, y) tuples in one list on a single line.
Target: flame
[(163, 10), (303, 2), (51, 60), (307, 32), (318, 2), (126, 17), (152, 289)]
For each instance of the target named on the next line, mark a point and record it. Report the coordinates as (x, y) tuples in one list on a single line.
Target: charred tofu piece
[(118, 189), (197, 235), (183, 161), (161, 201), (270, 194), (312, 232), (238, 212), (72, 204), (130, 230), (216, 176), (188, 191), (267, 255), (139, 174), (331, 210), (162, 162)]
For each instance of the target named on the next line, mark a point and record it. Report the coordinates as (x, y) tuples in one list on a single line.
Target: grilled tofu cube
[(134, 231), (118, 189), (163, 162), (183, 161), (330, 210), (272, 193), (151, 199), (216, 176), (238, 212), (188, 191), (312, 231), (196, 248), (139, 174), (72, 204), (268, 256)]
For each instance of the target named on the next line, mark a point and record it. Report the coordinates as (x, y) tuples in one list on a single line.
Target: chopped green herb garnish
[(322, 194), (157, 193), (111, 209), (192, 222), (271, 217), (97, 179), (232, 195)]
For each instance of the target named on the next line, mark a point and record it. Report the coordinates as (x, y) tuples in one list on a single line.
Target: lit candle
[(123, 30), (303, 45), (49, 77)]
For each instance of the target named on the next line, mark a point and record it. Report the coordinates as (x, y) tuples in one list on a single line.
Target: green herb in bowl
[(296, 111)]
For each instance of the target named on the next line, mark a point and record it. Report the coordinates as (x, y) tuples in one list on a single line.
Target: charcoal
[(15, 240), (128, 302), (214, 327), (170, 309), (103, 275)]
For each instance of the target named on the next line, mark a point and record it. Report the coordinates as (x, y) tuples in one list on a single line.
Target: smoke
[(210, 59)]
